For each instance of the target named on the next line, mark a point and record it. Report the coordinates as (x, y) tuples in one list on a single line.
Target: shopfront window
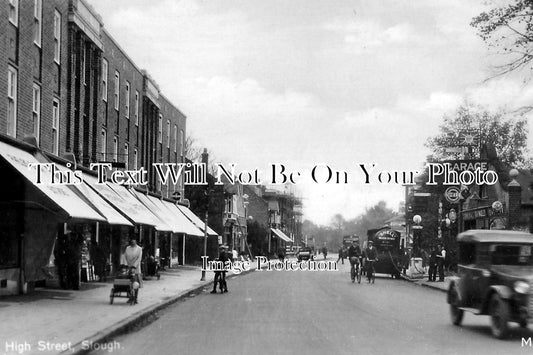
[(8, 244)]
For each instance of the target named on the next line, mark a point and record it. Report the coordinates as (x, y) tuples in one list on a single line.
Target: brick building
[(73, 95)]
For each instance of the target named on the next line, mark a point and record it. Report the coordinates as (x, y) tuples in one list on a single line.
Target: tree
[(191, 149), (337, 222), (194, 153), (509, 30), (507, 135), (373, 217)]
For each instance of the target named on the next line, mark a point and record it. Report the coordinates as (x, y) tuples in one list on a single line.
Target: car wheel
[(499, 316), (523, 324), (456, 313)]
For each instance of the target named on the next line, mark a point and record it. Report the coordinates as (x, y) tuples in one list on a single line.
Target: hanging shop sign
[(452, 194)]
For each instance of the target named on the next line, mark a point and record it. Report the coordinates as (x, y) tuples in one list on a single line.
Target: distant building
[(280, 213)]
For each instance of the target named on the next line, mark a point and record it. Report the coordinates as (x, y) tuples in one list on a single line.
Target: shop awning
[(182, 223), (162, 225), (108, 211), (281, 235), (98, 203), (61, 195), (123, 201), (196, 220)]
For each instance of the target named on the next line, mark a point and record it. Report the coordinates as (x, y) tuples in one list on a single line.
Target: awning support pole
[(183, 250)]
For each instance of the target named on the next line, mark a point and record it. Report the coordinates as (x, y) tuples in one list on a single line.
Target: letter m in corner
[(526, 342)]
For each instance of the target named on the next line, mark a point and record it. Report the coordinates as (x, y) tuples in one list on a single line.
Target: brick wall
[(118, 123), (257, 206), (34, 65), (143, 136)]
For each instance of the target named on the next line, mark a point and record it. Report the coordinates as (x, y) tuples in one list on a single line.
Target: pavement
[(54, 321), (437, 285), (309, 312)]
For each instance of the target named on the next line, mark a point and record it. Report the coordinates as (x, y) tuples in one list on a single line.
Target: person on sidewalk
[(60, 255), (99, 260), (73, 260), (133, 256), (433, 265), (441, 256)]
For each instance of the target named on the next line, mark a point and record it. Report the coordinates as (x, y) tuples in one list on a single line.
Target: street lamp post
[(450, 219), (416, 235), (206, 192), (205, 240)]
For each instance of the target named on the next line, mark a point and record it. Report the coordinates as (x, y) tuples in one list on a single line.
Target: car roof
[(494, 236)]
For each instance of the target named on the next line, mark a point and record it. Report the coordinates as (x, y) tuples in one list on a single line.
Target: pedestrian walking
[(325, 252), (341, 255), (441, 257)]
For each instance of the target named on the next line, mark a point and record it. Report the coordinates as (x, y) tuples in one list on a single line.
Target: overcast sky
[(307, 82)]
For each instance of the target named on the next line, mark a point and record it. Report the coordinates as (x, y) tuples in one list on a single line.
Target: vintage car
[(495, 277), (305, 253)]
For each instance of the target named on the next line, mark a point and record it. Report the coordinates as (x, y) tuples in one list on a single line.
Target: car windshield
[(511, 254)]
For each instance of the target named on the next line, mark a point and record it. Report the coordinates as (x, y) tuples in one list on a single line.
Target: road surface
[(304, 312)]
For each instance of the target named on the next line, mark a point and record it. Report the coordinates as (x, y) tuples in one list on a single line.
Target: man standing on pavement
[(441, 257)]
